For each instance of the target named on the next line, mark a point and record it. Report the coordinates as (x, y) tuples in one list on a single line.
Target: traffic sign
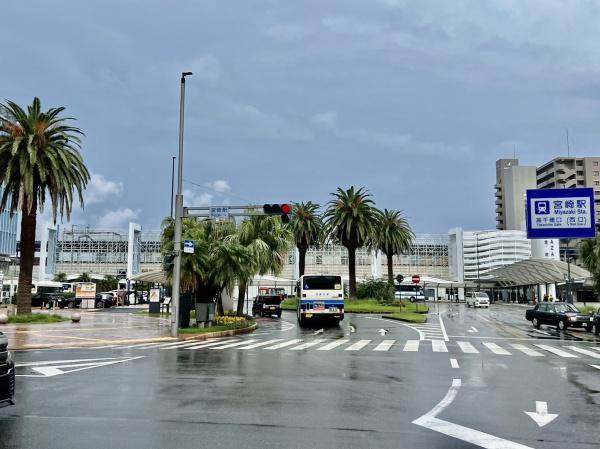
[(560, 213), (416, 278), (188, 246), (219, 212)]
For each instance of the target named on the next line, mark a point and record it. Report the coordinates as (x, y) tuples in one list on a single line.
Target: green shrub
[(68, 295), (376, 288)]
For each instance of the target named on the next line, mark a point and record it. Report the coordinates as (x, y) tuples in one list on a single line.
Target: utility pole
[(178, 216), (172, 184)]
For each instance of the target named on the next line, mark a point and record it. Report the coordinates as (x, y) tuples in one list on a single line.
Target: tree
[(109, 283), (351, 219), (307, 229), (269, 242), (589, 249), (60, 277), (39, 156), (84, 277), (394, 236)]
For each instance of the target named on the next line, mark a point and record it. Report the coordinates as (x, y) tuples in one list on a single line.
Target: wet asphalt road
[(364, 393)]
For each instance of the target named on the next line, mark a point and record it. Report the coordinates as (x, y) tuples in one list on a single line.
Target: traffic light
[(284, 210), (168, 262)]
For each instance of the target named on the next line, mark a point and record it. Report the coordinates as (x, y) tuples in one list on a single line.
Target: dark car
[(596, 322), (47, 300), (267, 305), (562, 315), (105, 300), (7, 373)]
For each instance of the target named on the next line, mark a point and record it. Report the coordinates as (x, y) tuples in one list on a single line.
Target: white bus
[(410, 292), (320, 297)]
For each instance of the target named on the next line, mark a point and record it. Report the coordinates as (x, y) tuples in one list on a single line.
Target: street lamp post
[(172, 184), (178, 216)]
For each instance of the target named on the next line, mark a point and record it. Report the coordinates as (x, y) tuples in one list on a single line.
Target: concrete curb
[(389, 317)]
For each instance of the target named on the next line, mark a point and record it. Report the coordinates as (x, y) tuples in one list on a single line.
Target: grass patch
[(218, 328), (411, 317), (585, 310), (369, 306), (36, 318)]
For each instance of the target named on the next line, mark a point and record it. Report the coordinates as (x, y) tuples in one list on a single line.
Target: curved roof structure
[(537, 271)]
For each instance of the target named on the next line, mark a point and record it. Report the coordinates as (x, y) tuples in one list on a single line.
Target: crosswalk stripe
[(142, 345), (411, 346), (584, 351), (597, 349), (308, 344), (233, 345), (258, 345), (332, 345), (495, 348), (385, 345), (180, 344), (527, 350), (438, 346), (454, 363), (595, 366), (467, 347), (358, 345), (558, 352), (206, 344), (285, 344)]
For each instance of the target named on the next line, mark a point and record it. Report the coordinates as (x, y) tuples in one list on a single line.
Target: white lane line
[(358, 345), (595, 366), (206, 344), (438, 346), (429, 421), (495, 348), (527, 350), (233, 345), (332, 345), (584, 351), (285, 344), (454, 363), (385, 345), (181, 344), (260, 344), (308, 344), (597, 349), (467, 347), (443, 328), (411, 346), (558, 352), (57, 362)]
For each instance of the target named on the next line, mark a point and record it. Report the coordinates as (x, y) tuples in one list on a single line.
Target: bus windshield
[(322, 283)]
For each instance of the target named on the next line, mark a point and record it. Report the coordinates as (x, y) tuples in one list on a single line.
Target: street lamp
[(178, 216), (172, 184)]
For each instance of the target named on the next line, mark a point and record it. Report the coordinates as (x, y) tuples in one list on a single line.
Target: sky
[(412, 100)]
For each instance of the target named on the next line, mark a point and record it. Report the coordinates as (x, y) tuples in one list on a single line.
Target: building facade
[(512, 182)]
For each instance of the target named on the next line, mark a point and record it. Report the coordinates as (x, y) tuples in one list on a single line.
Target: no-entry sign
[(416, 278)]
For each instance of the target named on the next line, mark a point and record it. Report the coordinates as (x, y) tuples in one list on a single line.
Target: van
[(478, 299)]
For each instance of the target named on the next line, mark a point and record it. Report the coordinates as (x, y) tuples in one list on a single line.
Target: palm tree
[(589, 249), (394, 236), (39, 156), (269, 242), (351, 219), (60, 277), (307, 228)]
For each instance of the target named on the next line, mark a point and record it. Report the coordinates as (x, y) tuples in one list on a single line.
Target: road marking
[(429, 421), (411, 346), (597, 349), (142, 345), (438, 346), (595, 366), (385, 345), (473, 329), (180, 344), (530, 352), (263, 343), (206, 344), (58, 366), (233, 345), (467, 347), (443, 328), (541, 415), (454, 363), (308, 344), (584, 351), (332, 345), (557, 351), (285, 344), (495, 348), (358, 345)]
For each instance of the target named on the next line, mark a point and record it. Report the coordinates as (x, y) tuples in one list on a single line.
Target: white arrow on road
[(57, 367), (541, 415), (473, 329), (383, 332), (351, 328), (320, 331)]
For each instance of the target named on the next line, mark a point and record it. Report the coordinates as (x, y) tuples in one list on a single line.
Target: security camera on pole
[(178, 217)]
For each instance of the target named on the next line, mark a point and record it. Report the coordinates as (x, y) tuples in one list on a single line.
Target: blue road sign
[(219, 212), (560, 213), (188, 246)]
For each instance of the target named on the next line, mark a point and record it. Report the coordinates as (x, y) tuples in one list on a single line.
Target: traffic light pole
[(178, 218)]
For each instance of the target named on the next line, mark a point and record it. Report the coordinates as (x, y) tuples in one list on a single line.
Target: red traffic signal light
[(286, 209), (278, 209)]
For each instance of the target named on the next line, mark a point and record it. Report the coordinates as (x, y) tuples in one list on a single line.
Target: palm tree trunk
[(28, 222), (241, 298), (390, 267), (220, 310), (302, 262), (352, 271)]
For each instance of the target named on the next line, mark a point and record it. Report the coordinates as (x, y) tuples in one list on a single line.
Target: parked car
[(596, 322), (562, 315), (478, 299), (267, 305), (47, 300), (7, 373), (105, 300)]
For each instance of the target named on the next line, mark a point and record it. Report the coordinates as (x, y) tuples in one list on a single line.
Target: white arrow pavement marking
[(320, 331), (541, 415), (429, 421), (49, 371), (473, 329), (382, 332), (351, 328)]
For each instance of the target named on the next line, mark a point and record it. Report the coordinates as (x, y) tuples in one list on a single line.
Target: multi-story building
[(512, 182), (473, 254)]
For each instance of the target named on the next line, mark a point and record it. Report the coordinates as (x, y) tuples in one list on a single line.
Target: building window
[(595, 163), (597, 183), (596, 173)]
